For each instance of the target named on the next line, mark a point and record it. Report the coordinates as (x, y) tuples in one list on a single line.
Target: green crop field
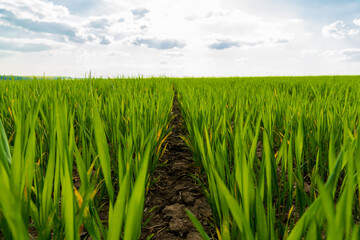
[(68, 145), (277, 157)]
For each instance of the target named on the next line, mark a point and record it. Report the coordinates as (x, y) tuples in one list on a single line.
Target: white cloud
[(35, 10), (139, 12), (224, 44), (339, 30), (356, 21), (102, 22), (349, 54), (15, 45), (160, 44), (105, 40), (221, 44), (41, 18)]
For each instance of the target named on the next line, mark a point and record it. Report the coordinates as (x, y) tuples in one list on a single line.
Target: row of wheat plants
[(278, 157), (76, 155)]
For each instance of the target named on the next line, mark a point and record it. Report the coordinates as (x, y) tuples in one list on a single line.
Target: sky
[(179, 38)]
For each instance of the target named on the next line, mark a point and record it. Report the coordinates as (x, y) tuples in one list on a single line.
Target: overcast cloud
[(179, 38)]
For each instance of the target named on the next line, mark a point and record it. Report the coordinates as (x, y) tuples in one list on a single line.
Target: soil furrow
[(175, 190)]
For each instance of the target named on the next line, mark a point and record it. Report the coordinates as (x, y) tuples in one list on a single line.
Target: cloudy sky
[(179, 37)]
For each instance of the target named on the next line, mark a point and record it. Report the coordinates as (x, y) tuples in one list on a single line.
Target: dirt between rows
[(175, 190)]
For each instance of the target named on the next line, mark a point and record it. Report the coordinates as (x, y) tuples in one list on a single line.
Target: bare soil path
[(175, 190)]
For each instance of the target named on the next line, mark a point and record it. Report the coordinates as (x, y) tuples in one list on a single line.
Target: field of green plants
[(305, 183), (277, 157), (76, 155)]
